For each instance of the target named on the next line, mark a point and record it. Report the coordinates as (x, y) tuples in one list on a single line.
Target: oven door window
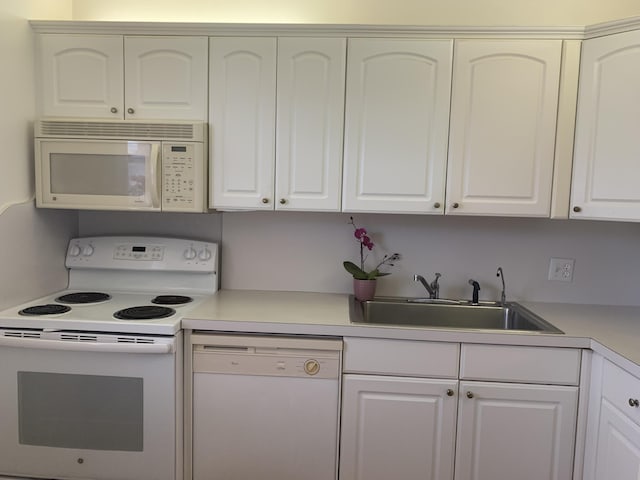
[(93, 412)]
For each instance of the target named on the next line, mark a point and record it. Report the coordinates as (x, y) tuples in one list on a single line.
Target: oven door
[(82, 408), (98, 175)]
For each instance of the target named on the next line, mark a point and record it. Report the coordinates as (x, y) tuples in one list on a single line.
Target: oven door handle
[(67, 345)]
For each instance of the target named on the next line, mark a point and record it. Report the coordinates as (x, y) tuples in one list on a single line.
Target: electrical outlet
[(561, 269)]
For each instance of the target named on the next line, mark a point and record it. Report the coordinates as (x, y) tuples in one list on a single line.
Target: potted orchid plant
[(364, 281)]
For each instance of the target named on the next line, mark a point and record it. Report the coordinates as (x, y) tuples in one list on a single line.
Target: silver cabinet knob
[(436, 205), (469, 394), (450, 392), (114, 110), (265, 200), (456, 205), (633, 402), (283, 201), (131, 110)]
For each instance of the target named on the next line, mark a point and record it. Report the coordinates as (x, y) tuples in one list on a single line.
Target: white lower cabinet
[(397, 427), (515, 431), (512, 415), (613, 427), (618, 454)]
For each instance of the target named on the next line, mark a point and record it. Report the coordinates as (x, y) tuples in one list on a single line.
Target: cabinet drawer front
[(622, 389), (401, 357), (507, 363)]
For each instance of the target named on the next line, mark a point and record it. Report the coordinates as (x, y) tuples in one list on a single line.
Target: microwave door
[(109, 175)]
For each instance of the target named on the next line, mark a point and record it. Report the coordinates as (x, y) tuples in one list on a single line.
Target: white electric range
[(90, 377)]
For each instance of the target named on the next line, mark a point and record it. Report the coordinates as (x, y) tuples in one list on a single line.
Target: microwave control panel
[(181, 174)]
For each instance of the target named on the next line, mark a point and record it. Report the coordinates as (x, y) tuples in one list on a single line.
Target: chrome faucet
[(476, 289), (433, 288), (503, 296)]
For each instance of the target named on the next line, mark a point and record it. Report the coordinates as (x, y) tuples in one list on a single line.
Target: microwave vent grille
[(118, 130)]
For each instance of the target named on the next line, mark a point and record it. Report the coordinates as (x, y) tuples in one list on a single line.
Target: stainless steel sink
[(448, 314)]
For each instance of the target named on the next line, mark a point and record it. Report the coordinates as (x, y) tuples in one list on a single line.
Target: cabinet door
[(310, 93), (515, 431), (80, 76), (397, 427), (396, 125), (242, 122), (607, 148), (618, 450), (166, 78), (503, 124)]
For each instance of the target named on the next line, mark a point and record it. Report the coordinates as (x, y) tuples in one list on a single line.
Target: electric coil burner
[(83, 297), (144, 312), (47, 309), (171, 300), (137, 285)]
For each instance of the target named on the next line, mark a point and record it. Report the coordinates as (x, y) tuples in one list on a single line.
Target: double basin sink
[(448, 314)]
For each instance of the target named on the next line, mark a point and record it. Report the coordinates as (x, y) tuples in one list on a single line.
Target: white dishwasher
[(265, 407)]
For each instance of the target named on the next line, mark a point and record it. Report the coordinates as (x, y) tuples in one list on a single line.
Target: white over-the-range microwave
[(121, 165)]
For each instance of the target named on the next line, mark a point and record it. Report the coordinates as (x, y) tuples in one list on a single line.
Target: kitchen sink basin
[(448, 314)]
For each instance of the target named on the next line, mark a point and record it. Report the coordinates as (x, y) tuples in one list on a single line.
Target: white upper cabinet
[(115, 77), (607, 148), (503, 125), (166, 77), (396, 125), (298, 165), (80, 76), (310, 106), (242, 102)]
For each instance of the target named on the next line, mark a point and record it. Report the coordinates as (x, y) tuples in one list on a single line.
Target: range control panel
[(142, 253)]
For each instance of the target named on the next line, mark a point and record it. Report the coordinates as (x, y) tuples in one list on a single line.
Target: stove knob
[(87, 251), (204, 254), (190, 253), (74, 251)]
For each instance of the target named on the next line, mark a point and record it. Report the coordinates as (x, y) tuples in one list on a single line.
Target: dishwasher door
[(265, 407)]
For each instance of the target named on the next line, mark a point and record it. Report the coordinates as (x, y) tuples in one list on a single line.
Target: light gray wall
[(180, 225), (32, 241), (305, 251), (409, 12)]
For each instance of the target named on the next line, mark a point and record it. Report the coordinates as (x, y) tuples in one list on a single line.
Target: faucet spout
[(433, 288), (503, 295)]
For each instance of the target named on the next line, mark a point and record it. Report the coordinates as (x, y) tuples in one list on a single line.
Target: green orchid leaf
[(355, 270)]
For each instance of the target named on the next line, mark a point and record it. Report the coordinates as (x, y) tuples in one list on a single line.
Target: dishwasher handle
[(276, 342)]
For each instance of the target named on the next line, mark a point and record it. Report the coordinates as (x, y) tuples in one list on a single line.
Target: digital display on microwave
[(176, 148), (139, 249)]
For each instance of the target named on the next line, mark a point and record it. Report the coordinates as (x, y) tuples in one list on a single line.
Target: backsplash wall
[(304, 252)]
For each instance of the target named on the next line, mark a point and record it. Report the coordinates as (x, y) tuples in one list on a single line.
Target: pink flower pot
[(364, 289)]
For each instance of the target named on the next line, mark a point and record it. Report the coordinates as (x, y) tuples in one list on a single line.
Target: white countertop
[(612, 331)]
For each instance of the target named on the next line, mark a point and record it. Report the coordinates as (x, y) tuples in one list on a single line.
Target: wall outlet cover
[(561, 269)]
